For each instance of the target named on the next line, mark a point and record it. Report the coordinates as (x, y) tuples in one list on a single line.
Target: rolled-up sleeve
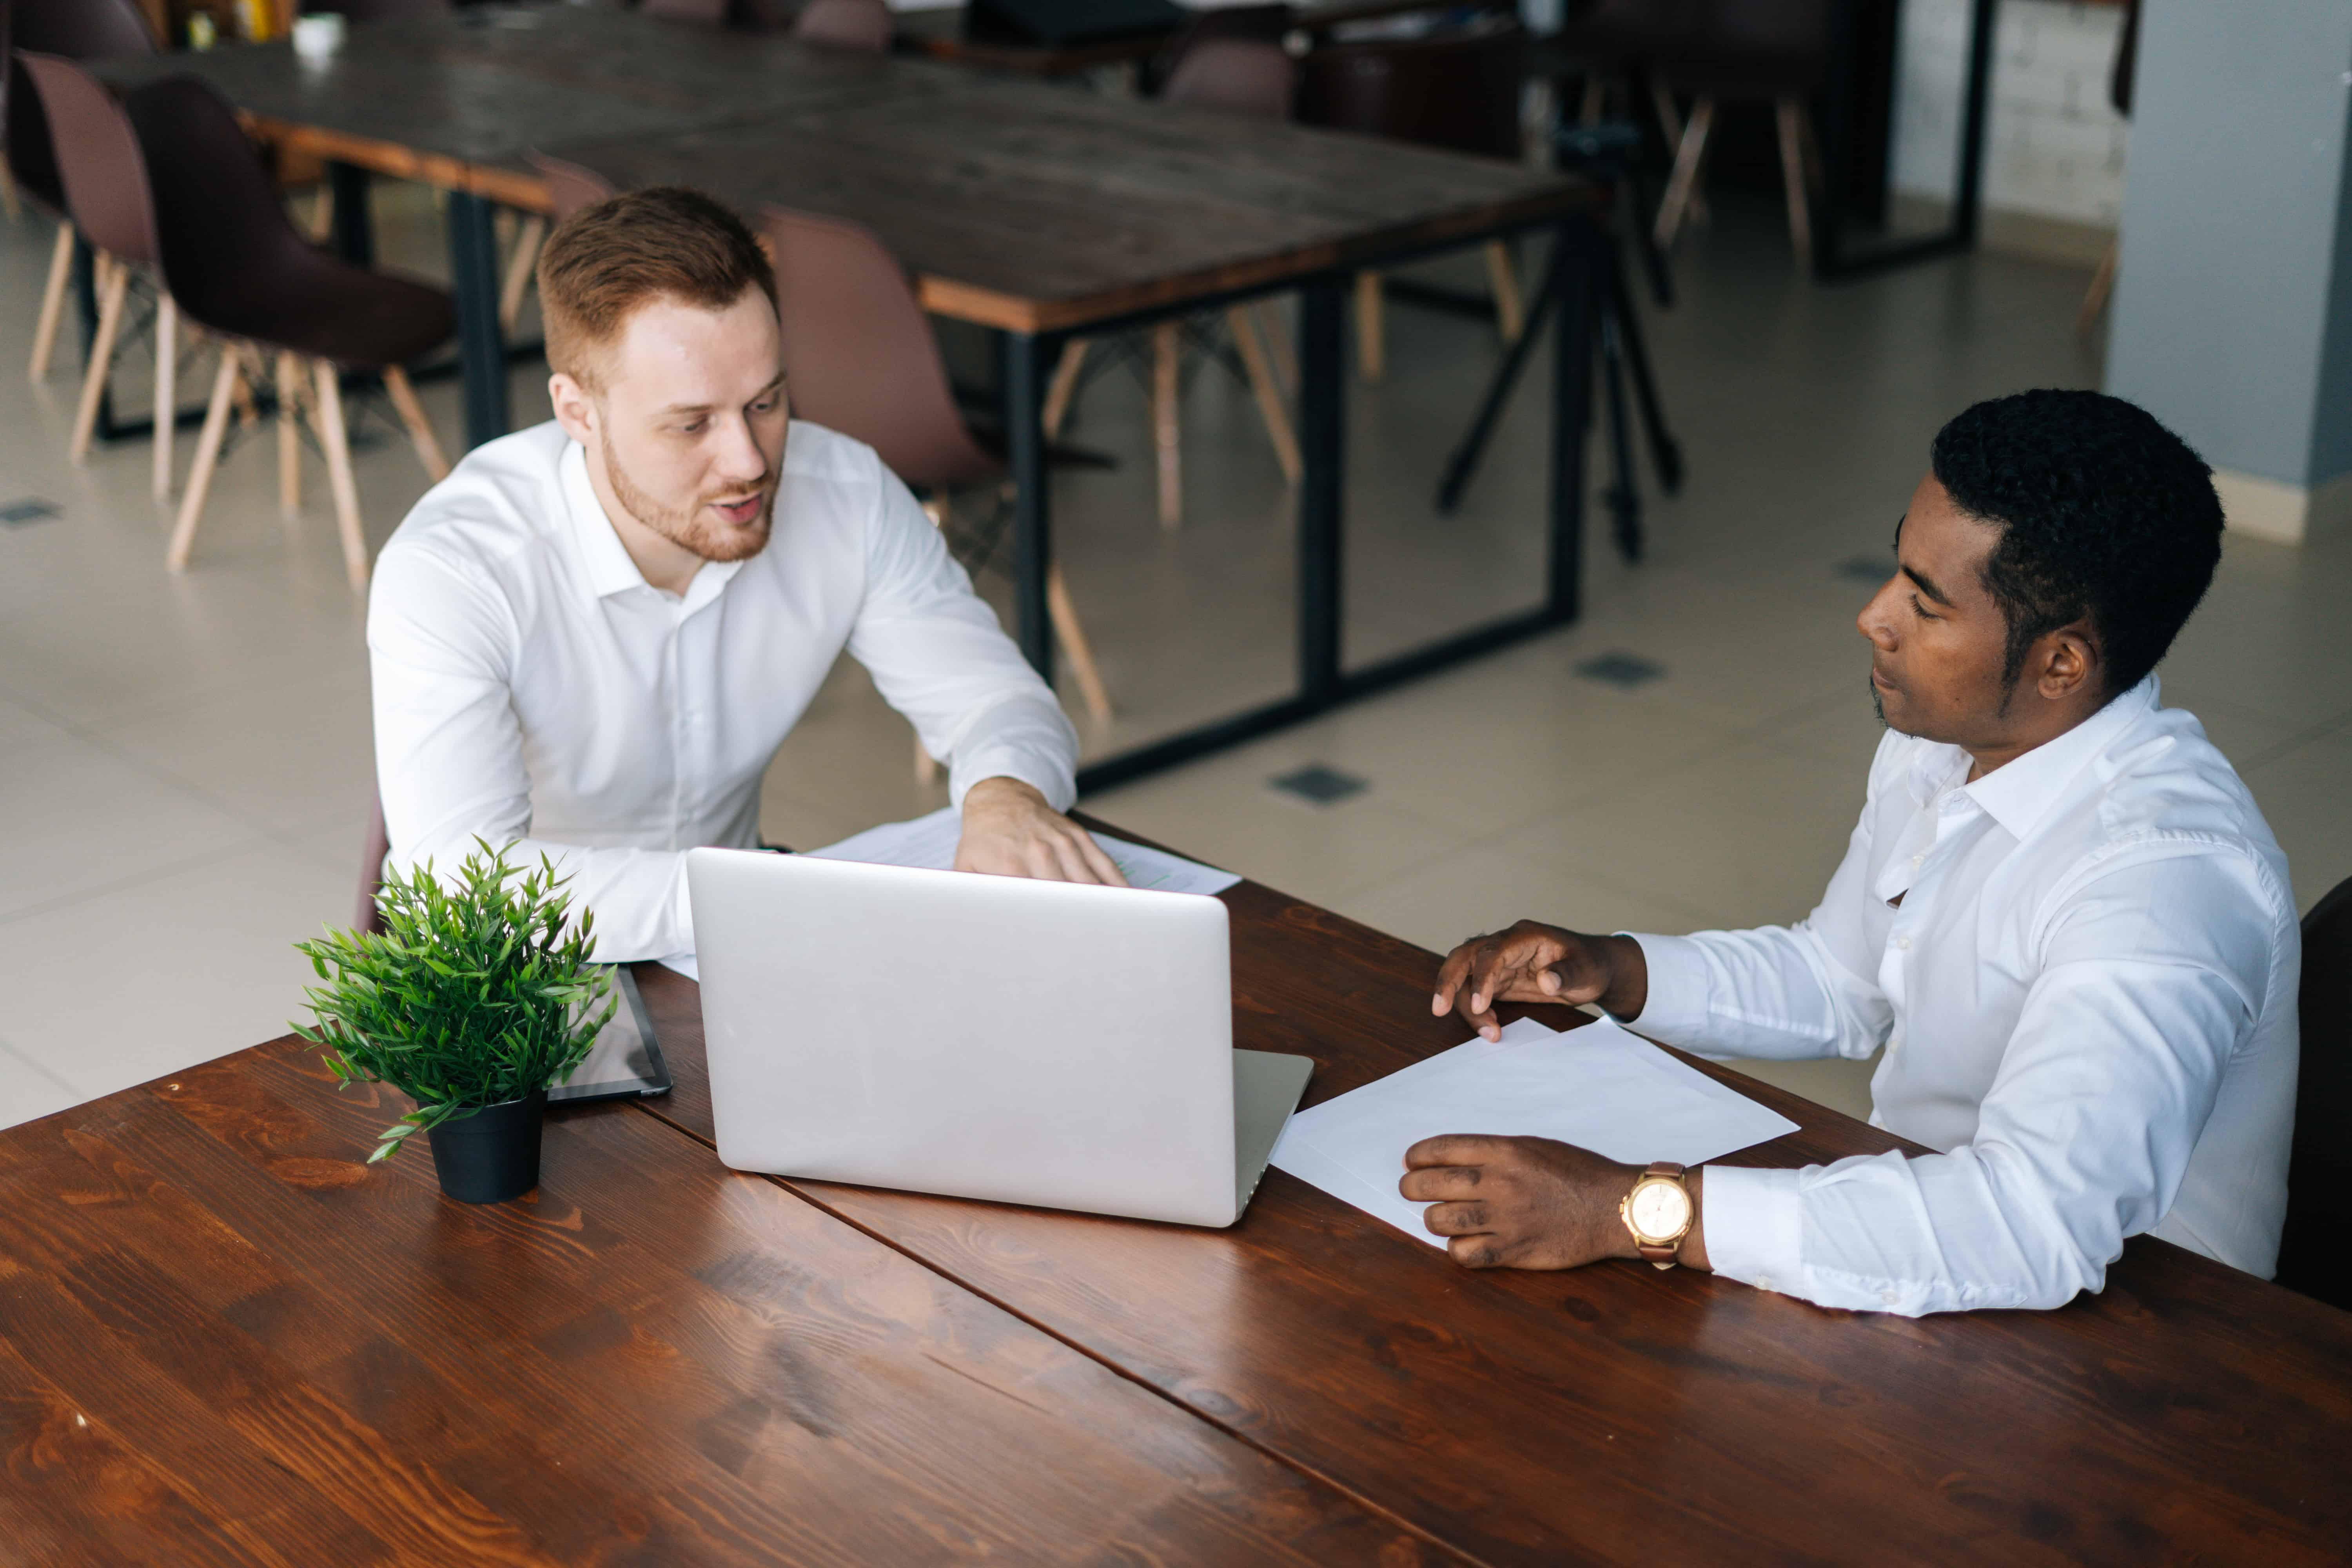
[(937, 656), (2085, 1137), (450, 756)]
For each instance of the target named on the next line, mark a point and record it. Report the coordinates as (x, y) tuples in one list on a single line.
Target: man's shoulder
[(503, 499)]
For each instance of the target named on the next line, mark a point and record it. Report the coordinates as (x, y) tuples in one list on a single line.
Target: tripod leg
[(1665, 452), (1624, 500), (1459, 467)]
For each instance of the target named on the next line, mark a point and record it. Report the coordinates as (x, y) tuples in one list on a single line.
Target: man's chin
[(732, 543)]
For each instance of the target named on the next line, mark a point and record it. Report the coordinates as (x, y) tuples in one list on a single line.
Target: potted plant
[(473, 999)]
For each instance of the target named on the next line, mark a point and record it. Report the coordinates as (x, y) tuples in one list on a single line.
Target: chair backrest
[(98, 156), (79, 29), (569, 187), (218, 224), (859, 356), (845, 24), (1457, 88), (1234, 76), (2315, 1248), (366, 917), (356, 11), (31, 150)]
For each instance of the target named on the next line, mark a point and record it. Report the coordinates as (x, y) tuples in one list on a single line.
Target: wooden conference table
[(1038, 211), (224, 1339)]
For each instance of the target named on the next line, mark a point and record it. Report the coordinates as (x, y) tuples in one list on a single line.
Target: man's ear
[(574, 409), (2069, 663)]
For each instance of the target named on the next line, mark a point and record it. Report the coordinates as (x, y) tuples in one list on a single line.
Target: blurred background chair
[(1457, 88), (1738, 51), (240, 270), (2119, 94), (107, 196), (77, 30), (860, 358), (2316, 1248), (845, 24), (1224, 69)]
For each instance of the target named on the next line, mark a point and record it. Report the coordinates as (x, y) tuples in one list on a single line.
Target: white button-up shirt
[(532, 686), (2086, 993)]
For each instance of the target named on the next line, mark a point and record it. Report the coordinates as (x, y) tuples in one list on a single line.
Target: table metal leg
[(481, 347), (1322, 449), (1571, 411), (1023, 366), (354, 229)]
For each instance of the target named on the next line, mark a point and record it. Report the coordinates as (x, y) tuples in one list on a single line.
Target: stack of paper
[(1598, 1088)]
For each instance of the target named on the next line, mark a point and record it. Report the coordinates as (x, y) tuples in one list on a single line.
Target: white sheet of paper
[(931, 841), (1598, 1087)]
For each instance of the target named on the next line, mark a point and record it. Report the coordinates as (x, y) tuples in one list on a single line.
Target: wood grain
[(1622, 1415), (222, 1339), (1015, 202)]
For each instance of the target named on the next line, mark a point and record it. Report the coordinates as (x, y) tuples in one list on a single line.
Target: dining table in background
[(225, 1338), (1039, 211)]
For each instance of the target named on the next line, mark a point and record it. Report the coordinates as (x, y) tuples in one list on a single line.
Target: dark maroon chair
[(77, 29), (241, 270), (863, 24), (104, 178), (1457, 88), (2316, 1248), (1761, 51)]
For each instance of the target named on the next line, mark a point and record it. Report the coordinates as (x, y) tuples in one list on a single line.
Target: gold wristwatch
[(1659, 1213)]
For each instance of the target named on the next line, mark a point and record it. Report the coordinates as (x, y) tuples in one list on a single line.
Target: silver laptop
[(980, 1036)]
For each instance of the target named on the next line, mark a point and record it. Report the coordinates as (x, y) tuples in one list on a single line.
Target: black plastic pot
[(489, 1156)]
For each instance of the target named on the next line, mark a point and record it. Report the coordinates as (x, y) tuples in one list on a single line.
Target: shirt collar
[(602, 553), (2019, 794)]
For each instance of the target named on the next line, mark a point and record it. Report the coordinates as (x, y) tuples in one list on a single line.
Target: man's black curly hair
[(2104, 512)]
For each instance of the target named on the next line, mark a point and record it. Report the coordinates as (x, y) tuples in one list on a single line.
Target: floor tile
[(112, 990)]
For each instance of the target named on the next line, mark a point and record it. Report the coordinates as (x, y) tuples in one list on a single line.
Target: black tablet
[(625, 1060)]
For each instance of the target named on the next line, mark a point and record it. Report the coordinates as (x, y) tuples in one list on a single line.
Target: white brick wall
[(2055, 147)]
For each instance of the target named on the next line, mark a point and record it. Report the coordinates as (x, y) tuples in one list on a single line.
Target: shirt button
[(1902, 942), (1919, 860)]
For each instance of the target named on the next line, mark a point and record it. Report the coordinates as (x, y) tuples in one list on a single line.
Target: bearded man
[(589, 640)]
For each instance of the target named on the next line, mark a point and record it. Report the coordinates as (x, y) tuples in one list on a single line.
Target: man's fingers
[(1476, 1252), (1099, 861), (1438, 1184), (1450, 975), (1456, 1219), (1069, 866), (1453, 1149)]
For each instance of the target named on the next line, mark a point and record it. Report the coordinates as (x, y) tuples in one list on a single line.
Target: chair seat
[(1744, 77), (323, 306)]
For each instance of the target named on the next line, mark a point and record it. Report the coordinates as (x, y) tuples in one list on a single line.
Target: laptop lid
[(980, 1036)]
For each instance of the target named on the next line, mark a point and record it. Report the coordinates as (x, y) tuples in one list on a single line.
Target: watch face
[(1660, 1209)]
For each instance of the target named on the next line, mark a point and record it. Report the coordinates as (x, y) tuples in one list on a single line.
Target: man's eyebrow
[(706, 408), (1920, 579)]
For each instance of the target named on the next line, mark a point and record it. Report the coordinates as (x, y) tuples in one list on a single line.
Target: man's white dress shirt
[(531, 685), (2087, 999)]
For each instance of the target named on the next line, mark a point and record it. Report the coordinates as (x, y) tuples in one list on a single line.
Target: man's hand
[(1529, 1203), (1010, 831), (1532, 963)]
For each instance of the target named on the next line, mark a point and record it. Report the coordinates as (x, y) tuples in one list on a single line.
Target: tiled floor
[(184, 761)]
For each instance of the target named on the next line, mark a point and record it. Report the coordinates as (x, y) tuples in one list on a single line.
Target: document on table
[(1599, 1088), (928, 843)]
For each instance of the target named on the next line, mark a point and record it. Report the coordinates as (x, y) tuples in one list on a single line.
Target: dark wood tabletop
[(225, 1341), (1622, 1415), (1017, 203)]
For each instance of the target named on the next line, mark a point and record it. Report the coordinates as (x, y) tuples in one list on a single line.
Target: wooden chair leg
[(327, 412), (241, 394), (1278, 346), (53, 303), (289, 434), (101, 362), (420, 428), (926, 769), (1371, 331), (2103, 284), (1071, 633), (1595, 102), (167, 388), (1510, 315), (1684, 181), (1790, 113), (200, 474), (528, 238), (9, 200), (1269, 396), (1669, 125), (1167, 429), (1063, 387)]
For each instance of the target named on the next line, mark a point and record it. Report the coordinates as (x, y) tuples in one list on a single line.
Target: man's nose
[(1877, 621), (739, 459)]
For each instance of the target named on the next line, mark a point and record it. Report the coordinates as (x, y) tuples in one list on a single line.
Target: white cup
[(317, 35)]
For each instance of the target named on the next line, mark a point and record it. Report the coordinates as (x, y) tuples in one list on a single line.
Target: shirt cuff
[(1675, 1011), (1050, 775), (1755, 1227)]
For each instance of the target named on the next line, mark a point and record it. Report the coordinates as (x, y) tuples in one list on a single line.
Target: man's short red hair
[(605, 260)]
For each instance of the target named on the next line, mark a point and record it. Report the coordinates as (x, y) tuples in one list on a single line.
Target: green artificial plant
[(474, 993)]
